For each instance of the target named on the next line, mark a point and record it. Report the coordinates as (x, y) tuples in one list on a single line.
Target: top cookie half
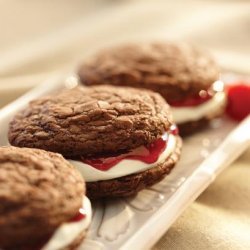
[(90, 121), (175, 70)]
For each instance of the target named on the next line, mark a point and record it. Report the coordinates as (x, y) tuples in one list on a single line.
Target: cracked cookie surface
[(175, 70), (39, 191), (87, 121)]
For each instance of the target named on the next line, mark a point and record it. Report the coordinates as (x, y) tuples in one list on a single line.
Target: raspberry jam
[(79, 216), (148, 154), (238, 106), (194, 100)]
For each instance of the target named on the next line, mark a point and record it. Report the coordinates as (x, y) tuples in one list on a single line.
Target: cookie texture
[(39, 191), (191, 127), (175, 70), (131, 184), (87, 121)]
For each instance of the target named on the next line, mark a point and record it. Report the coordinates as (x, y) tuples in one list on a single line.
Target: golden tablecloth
[(219, 218)]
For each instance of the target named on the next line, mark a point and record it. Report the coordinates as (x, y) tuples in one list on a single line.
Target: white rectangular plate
[(138, 222)]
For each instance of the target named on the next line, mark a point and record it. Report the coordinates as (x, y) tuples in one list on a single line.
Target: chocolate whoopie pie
[(121, 139), (42, 196), (186, 76)]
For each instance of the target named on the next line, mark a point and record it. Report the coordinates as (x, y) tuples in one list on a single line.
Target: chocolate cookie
[(178, 71), (91, 121), (39, 191), (101, 128)]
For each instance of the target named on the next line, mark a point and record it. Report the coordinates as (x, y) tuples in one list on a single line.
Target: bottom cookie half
[(189, 128), (131, 184)]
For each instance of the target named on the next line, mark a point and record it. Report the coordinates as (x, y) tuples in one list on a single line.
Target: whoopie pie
[(185, 75), (42, 201), (121, 139)]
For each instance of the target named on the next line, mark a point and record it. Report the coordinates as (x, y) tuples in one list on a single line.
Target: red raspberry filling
[(148, 154)]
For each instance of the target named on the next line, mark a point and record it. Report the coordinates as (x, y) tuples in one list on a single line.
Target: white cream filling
[(68, 232), (124, 167), (210, 107)]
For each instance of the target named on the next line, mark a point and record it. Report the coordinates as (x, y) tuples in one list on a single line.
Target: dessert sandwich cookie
[(121, 139), (186, 76), (42, 201)]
